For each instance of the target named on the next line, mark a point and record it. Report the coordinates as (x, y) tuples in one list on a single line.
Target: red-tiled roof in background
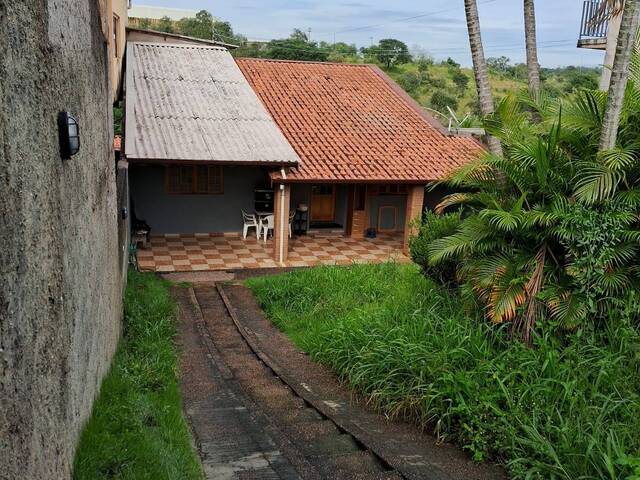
[(353, 123), (117, 143)]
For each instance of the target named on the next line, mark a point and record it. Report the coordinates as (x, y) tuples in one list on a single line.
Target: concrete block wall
[(60, 281)]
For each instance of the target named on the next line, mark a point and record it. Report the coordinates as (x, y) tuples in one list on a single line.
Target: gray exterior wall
[(166, 213), (60, 282)]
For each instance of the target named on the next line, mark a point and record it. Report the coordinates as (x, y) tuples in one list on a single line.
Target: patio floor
[(185, 253)]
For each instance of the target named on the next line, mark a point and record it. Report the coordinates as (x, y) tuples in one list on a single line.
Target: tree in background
[(296, 47), (500, 65), (480, 69), (450, 63), (423, 63), (204, 26), (200, 26), (533, 67), (165, 25), (389, 51), (410, 81), (340, 52), (144, 23)]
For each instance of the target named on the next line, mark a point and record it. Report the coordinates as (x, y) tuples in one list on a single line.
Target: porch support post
[(281, 223), (415, 205)]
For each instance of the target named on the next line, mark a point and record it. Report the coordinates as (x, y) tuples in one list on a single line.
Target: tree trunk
[(533, 67), (480, 70), (620, 73)]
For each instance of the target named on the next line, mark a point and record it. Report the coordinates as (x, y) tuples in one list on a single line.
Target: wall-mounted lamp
[(69, 134)]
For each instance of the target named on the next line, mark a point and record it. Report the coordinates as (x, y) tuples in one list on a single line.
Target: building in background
[(599, 31), (117, 19)]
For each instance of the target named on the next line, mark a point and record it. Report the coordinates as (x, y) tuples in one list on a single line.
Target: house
[(599, 31), (339, 147), (367, 149)]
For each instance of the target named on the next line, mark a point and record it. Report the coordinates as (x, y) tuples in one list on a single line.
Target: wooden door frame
[(333, 203)]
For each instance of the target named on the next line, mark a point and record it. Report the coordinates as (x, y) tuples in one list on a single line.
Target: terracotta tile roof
[(353, 123)]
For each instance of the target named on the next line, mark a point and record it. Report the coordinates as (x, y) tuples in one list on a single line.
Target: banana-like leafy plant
[(552, 226)]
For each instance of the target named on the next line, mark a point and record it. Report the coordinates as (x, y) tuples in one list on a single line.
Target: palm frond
[(596, 182), (566, 307)]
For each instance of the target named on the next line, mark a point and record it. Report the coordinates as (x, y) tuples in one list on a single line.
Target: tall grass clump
[(137, 430), (564, 409)]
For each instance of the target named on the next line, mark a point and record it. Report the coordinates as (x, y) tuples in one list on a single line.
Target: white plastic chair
[(267, 224), (250, 221)]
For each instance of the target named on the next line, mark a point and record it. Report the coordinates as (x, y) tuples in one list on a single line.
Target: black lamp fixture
[(69, 134)]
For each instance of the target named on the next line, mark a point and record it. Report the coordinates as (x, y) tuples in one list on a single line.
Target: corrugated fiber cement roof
[(192, 103)]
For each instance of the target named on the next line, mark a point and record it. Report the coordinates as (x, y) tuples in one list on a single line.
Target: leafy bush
[(432, 228), (562, 410), (435, 81), (440, 100), (553, 226), (410, 81), (461, 80)]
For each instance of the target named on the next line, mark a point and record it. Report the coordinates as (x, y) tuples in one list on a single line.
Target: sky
[(436, 27)]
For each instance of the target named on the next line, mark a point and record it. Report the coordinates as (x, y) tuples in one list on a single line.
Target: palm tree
[(533, 67), (480, 70), (620, 72), (550, 230)]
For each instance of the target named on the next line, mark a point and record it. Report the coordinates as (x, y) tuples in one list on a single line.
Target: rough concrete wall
[(60, 284)]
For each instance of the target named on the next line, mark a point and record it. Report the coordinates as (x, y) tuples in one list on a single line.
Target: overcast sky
[(439, 27)]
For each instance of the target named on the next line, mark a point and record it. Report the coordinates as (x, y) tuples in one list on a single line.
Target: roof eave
[(292, 178)]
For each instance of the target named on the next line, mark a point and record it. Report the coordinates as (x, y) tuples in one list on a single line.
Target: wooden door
[(323, 203)]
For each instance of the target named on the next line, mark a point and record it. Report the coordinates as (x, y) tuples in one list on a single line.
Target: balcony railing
[(594, 21)]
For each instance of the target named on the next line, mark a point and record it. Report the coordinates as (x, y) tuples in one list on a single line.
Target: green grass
[(565, 409), (137, 430)]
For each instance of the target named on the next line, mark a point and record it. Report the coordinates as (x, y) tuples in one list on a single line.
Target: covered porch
[(193, 229), (202, 252)]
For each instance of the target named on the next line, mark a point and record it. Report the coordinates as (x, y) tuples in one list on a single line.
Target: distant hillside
[(438, 85)]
